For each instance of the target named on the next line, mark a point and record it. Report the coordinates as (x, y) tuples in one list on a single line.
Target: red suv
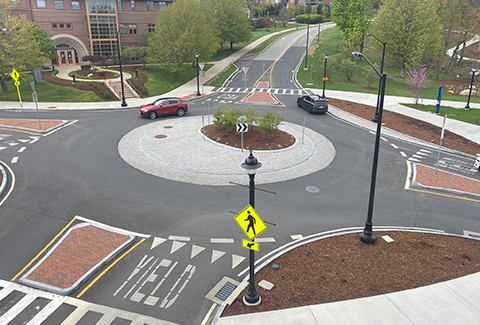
[(164, 106)]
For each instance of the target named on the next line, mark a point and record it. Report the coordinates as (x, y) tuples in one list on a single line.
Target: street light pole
[(474, 69), (252, 297), (124, 103), (367, 236), (375, 119), (325, 74), (198, 85), (306, 46)]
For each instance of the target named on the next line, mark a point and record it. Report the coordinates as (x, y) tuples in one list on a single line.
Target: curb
[(3, 185), (266, 259)]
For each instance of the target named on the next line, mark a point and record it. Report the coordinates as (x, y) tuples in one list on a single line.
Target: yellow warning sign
[(15, 75), (325, 78), (250, 222), (250, 245)]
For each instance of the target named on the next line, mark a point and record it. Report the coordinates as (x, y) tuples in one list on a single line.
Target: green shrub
[(136, 84), (227, 117), (101, 73), (85, 66), (250, 116), (303, 19), (101, 88), (270, 121)]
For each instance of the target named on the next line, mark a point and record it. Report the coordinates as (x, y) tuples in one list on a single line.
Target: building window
[(162, 4), (75, 5), (69, 26), (41, 4), (133, 28), (14, 3), (58, 4), (123, 29), (151, 28), (62, 25), (150, 6), (132, 4), (119, 5), (54, 25)]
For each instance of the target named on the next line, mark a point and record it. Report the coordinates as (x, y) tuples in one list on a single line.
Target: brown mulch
[(31, 124), (254, 139), (412, 127), (341, 268)]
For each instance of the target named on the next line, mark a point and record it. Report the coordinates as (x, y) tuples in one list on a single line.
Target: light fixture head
[(326, 55), (251, 163), (474, 69), (197, 54)]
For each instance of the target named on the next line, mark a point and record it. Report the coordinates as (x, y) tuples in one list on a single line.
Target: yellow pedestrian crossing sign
[(250, 222), (250, 245), (325, 78), (15, 75)]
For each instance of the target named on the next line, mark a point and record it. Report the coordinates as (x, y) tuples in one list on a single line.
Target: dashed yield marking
[(216, 255), (196, 250), (176, 245)]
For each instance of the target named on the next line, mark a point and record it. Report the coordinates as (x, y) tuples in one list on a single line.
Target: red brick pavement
[(427, 176), (31, 124), (260, 98), (78, 252)]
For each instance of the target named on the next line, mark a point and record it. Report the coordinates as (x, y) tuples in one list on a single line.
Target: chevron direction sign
[(242, 127)]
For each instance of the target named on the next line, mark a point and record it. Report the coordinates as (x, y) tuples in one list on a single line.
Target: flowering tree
[(267, 23), (93, 59), (418, 80)]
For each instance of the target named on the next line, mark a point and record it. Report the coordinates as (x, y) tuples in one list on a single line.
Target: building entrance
[(67, 56)]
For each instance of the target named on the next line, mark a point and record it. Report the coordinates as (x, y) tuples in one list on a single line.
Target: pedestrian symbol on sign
[(250, 222)]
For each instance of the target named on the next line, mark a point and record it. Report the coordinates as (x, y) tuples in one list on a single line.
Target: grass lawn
[(471, 116), (161, 80), (219, 81), (46, 92), (330, 41), (256, 34)]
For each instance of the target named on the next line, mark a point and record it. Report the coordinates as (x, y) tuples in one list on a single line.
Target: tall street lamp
[(252, 297), (325, 74), (474, 69), (375, 119), (124, 103), (367, 236), (306, 46), (198, 85)]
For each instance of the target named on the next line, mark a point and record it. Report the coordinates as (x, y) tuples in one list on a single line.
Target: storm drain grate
[(226, 291)]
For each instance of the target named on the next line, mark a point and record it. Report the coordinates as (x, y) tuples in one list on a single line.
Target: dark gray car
[(313, 104)]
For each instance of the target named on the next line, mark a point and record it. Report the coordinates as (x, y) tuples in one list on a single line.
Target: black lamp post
[(306, 46), (124, 103), (367, 236), (474, 69), (375, 119), (325, 74), (198, 85), (319, 30), (252, 297)]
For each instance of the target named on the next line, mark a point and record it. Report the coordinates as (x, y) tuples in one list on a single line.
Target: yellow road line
[(446, 195), (17, 130), (44, 249), (108, 268)]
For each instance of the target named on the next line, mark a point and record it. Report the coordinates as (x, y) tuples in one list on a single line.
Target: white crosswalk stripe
[(275, 91), (29, 295)]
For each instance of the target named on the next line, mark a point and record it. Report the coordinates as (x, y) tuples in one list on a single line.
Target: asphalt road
[(78, 171)]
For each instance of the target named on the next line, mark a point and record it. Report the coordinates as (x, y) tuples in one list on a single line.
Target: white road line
[(265, 240), (236, 260), (425, 150), (421, 153), (17, 309), (45, 312), (409, 173), (176, 245), (22, 149), (384, 139), (75, 316), (110, 227), (413, 159), (418, 156), (14, 160), (222, 240), (295, 237), (157, 241), (207, 316), (394, 145), (34, 140), (23, 140), (13, 144), (196, 250), (181, 238), (403, 154), (106, 319)]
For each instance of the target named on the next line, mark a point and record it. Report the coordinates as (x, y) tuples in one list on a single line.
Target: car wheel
[(309, 110), (152, 115), (299, 104), (180, 112)]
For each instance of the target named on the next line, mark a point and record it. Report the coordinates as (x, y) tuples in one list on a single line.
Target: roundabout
[(175, 149)]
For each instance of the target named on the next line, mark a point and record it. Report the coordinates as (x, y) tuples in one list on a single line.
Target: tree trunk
[(231, 45), (4, 85)]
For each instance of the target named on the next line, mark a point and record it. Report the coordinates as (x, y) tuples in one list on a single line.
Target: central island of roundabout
[(176, 149)]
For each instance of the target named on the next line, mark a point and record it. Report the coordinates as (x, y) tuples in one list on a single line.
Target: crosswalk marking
[(263, 90), (181, 238), (236, 260), (403, 154), (75, 316), (22, 149), (157, 241), (45, 312), (16, 309)]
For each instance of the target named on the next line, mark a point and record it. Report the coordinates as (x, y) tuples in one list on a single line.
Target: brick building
[(84, 27)]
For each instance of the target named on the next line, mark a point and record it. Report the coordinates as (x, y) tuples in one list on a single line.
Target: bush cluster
[(303, 19), (136, 84), (85, 66), (101, 88), (229, 117)]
